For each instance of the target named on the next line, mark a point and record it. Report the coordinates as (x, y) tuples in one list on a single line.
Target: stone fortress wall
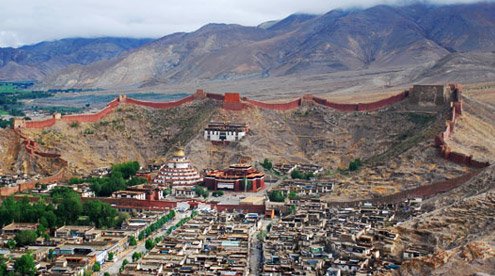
[(420, 95)]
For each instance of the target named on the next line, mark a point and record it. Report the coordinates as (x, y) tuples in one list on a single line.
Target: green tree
[(127, 169), (3, 266), (40, 230), (261, 236), (106, 274), (293, 195), (101, 213), (276, 196), (149, 244), (124, 263), (26, 237), (200, 191), (267, 164), (25, 265), (296, 174), (96, 267), (136, 256), (110, 256), (132, 241), (293, 209), (11, 244)]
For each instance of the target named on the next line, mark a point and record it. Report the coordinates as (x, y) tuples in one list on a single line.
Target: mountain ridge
[(413, 37), (36, 61)]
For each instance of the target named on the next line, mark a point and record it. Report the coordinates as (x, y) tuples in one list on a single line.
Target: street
[(113, 267)]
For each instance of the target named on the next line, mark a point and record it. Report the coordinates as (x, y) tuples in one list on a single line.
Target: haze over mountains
[(442, 42)]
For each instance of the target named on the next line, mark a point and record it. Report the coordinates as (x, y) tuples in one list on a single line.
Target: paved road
[(113, 267), (256, 254)]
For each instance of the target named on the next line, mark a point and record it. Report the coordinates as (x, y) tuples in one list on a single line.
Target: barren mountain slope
[(397, 38), (15, 160), (130, 133), (460, 226), (35, 62), (461, 229)]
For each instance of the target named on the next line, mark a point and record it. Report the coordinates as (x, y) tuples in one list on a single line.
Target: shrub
[(88, 131), (355, 165), (74, 124), (217, 193)]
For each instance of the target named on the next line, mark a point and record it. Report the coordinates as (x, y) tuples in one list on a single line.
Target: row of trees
[(65, 208), (122, 176), (156, 225), (181, 222)]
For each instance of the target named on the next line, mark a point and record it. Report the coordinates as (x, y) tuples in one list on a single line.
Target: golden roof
[(180, 152)]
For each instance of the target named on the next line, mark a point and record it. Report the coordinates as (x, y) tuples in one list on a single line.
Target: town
[(261, 217)]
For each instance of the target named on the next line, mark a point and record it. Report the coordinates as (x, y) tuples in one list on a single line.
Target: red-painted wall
[(40, 124), (245, 208), (422, 191), (160, 105), (363, 106), (218, 97), (275, 106), (441, 140)]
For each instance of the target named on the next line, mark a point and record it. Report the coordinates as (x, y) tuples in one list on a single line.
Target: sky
[(25, 22)]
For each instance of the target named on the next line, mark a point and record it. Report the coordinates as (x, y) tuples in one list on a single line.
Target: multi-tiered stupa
[(178, 172)]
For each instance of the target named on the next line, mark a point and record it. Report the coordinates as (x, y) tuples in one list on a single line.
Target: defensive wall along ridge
[(420, 95), (231, 101)]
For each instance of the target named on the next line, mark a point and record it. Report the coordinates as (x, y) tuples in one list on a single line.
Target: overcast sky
[(31, 21)]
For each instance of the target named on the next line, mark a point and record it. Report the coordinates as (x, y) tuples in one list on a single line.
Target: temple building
[(178, 172), (237, 178), (225, 132)]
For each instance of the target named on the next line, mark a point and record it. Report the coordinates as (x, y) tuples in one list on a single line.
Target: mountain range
[(36, 62), (431, 37)]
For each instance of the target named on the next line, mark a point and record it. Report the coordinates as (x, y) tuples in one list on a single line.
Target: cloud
[(30, 21)]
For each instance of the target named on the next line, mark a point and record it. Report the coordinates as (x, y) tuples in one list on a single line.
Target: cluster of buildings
[(211, 243), (318, 239), (73, 249), (178, 178), (287, 168), (305, 189), (9, 180)]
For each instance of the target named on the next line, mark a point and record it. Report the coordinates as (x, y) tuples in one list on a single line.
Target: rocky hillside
[(35, 62), (379, 37), (460, 231), (397, 142)]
